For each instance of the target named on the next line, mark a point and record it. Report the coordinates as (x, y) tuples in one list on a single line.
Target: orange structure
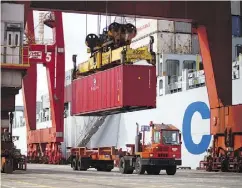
[(225, 121), (226, 151)]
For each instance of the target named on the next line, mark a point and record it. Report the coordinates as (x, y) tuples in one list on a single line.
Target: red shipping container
[(119, 89), (67, 93)]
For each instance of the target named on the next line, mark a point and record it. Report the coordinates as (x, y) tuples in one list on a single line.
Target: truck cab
[(163, 153), (166, 139)]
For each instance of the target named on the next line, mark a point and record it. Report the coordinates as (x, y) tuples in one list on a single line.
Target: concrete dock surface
[(62, 176)]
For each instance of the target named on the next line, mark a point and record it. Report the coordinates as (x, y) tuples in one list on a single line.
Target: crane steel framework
[(45, 141)]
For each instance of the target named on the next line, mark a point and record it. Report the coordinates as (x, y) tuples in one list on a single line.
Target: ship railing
[(195, 73), (175, 84), (12, 55), (196, 79)]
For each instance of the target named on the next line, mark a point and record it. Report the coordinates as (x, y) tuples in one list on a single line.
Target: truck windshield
[(170, 137)]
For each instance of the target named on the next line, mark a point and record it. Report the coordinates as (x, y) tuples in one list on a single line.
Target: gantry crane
[(214, 41)]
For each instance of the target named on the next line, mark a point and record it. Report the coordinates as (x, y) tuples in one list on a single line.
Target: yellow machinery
[(11, 158), (112, 48)]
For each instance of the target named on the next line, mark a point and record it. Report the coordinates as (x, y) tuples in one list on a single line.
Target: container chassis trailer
[(101, 158)]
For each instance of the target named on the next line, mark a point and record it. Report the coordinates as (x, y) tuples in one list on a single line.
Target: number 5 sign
[(48, 57)]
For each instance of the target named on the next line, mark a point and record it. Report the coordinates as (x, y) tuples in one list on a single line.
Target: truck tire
[(209, 167), (8, 166), (124, 168), (74, 164), (171, 170), (81, 165), (139, 168), (225, 165)]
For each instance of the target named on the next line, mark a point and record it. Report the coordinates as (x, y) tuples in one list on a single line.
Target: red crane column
[(53, 58), (30, 80)]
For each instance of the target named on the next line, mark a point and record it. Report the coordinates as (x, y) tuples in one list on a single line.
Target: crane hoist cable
[(135, 20), (99, 23), (106, 13), (86, 24)]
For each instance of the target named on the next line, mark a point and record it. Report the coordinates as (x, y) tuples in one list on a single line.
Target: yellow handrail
[(24, 57)]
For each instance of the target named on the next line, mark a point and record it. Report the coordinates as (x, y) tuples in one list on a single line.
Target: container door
[(13, 47)]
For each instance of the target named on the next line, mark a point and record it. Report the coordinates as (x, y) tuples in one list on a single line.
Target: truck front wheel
[(139, 168), (171, 170)]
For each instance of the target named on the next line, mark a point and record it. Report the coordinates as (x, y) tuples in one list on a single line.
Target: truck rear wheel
[(74, 164), (124, 168), (81, 165), (171, 170), (139, 168)]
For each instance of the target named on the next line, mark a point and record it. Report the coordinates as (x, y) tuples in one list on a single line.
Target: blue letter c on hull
[(193, 148)]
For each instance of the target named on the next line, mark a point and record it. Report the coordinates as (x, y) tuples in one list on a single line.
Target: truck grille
[(162, 155), (163, 149)]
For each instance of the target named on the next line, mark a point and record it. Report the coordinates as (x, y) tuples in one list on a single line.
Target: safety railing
[(38, 41), (175, 84), (196, 79), (14, 56)]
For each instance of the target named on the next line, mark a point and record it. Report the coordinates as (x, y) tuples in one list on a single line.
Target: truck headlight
[(174, 149), (173, 156), (151, 155)]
